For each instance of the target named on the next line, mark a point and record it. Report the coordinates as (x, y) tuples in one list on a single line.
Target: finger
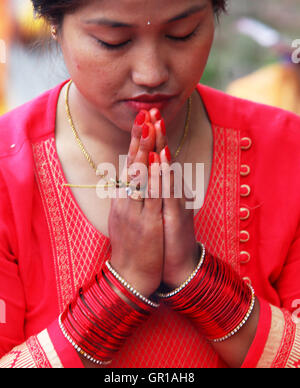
[(171, 182), (154, 185), (146, 145), (161, 135), (137, 173), (189, 195), (139, 168), (128, 197), (160, 128), (176, 192), (155, 115), (135, 168), (122, 185), (136, 133), (153, 202), (167, 176)]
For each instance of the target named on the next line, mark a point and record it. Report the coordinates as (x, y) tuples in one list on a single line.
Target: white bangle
[(191, 277), (129, 287)]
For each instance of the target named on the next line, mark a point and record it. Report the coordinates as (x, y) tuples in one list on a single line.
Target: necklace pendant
[(117, 183)]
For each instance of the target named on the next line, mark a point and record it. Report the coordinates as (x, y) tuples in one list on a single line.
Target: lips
[(147, 98), (147, 101)]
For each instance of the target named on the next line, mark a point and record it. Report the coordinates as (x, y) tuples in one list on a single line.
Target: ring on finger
[(136, 185), (135, 195)]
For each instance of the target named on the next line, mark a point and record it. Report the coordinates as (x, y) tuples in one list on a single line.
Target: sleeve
[(48, 349), (277, 341)]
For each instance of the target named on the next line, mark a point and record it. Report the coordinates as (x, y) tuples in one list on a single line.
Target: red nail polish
[(148, 117), (157, 115), (140, 118), (168, 153), (146, 130), (163, 127), (151, 158)]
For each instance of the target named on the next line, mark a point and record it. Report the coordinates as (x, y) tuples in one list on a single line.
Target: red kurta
[(250, 219)]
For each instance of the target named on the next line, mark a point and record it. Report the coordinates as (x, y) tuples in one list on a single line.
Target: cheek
[(190, 68), (91, 69), (194, 62)]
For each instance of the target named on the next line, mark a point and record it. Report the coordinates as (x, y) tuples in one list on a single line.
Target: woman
[(149, 295)]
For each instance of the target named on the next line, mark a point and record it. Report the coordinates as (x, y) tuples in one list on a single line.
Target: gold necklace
[(70, 119), (88, 156), (186, 128)]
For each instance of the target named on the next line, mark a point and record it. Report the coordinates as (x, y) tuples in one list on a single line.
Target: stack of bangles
[(99, 320), (215, 298)]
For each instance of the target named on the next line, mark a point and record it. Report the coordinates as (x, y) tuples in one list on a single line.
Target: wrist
[(138, 282), (126, 290), (178, 274), (145, 282)]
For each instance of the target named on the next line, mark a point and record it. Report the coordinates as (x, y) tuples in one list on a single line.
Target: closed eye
[(185, 37), (110, 46), (182, 38)]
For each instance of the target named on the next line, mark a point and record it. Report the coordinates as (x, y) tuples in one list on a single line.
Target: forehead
[(139, 10)]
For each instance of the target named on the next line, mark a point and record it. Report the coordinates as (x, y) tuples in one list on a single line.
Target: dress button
[(246, 143), (245, 170), (247, 280), (245, 257), (245, 190), (244, 236), (244, 214)]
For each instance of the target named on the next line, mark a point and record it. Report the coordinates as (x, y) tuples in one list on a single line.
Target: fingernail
[(157, 115), (146, 129), (140, 118), (168, 153), (163, 127), (151, 158)]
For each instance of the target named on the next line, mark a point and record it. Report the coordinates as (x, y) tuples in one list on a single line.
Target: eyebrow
[(117, 24)]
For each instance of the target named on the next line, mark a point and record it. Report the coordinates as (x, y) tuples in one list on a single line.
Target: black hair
[(55, 10), (219, 6)]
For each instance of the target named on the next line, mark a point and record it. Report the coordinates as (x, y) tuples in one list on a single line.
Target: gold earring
[(54, 32)]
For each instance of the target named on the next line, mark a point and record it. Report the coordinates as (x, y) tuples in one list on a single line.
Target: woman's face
[(127, 55)]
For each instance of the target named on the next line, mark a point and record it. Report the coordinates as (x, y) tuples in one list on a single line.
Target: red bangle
[(98, 321), (216, 299)]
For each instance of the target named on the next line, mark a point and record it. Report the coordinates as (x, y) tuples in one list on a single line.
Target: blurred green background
[(234, 55)]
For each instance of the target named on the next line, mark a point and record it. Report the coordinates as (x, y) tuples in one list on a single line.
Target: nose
[(150, 68)]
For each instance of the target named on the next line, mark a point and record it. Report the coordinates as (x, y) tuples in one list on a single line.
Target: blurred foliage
[(235, 55)]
